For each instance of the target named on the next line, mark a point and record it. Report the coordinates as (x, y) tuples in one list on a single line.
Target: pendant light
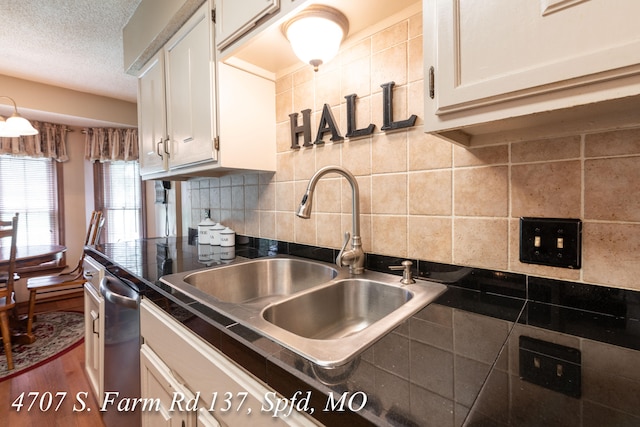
[(315, 34), (16, 125)]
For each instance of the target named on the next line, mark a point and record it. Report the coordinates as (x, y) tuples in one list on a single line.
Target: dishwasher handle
[(118, 293)]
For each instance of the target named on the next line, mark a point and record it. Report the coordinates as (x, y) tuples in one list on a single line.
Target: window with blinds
[(29, 186), (119, 198)]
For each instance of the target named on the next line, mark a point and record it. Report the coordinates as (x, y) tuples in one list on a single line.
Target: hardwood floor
[(64, 374)]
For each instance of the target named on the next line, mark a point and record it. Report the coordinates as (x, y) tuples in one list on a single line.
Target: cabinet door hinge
[(432, 83), (216, 143), (213, 15)]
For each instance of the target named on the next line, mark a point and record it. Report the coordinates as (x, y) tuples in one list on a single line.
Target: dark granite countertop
[(459, 361)]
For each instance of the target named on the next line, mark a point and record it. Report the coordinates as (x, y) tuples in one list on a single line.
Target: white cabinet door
[(227, 390), (160, 387), (501, 59), (234, 18), (94, 337), (152, 126), (190, 76)]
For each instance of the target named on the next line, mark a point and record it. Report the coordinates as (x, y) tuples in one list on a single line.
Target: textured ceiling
[(74, 44)]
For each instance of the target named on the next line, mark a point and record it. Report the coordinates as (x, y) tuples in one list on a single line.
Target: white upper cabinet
[(234, 18), (505, 69), (190, 77), (200, 118), (152, 122)]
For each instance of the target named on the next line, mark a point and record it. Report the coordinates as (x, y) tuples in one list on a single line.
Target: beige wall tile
[(356, 78), (414, 102), (284, 226), (303, 98), (494, 155), (304, 163), (303, 75), (611, 189), (389, 65), (283, 136), (284, 105), (415, 25), (546, 149), (356, 156), (361, 49), (428, 151), (285, 192), (327, 195), (389, 152), (611, 254), (305, 230), (364, 188), (331, 234), (326, 90), (284, 166), (480, 242), (389, 37), (389, 194), (284, 83), (481, 191), (546, 189), (267, 221), (389, 235), (430, 193), (619, 142), (415, 68), (328, 154), (430, 238)]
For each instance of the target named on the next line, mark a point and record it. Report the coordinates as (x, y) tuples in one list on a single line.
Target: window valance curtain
[(111, 144), (50, 142)]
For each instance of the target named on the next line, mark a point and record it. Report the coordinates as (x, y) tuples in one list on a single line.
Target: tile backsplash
[(422, 197)]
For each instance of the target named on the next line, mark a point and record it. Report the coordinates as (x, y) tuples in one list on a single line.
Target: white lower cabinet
[(94, 328), (192, 383), (158, 383)]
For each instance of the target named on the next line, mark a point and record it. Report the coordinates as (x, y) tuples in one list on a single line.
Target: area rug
[(56, 333)]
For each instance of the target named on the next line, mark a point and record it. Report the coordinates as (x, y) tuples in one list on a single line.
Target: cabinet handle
[(158, 148), (166, 144), (94, 317), (432, 82)]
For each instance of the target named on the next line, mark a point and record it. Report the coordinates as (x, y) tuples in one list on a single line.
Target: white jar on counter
[(214, 234), (204, 228), (227, 237)]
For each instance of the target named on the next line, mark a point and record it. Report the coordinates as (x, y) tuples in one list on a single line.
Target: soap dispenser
[(204, 228)]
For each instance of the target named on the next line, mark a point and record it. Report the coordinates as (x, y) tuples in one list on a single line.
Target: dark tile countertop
[(496, 349)]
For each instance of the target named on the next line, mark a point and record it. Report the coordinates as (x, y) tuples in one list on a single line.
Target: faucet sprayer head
[(304, 210)]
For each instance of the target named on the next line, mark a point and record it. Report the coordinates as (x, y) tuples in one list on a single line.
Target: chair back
[(9, 229), (93, 233), (95, 226)]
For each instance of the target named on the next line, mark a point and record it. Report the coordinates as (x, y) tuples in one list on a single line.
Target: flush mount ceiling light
[(315, 34), (16, 125)]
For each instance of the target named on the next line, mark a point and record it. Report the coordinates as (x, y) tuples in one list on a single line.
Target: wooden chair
[(73, 278), (7, 299)]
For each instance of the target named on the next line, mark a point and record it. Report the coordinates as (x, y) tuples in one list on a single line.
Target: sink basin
[(316, 310), (337, 311), (252, 280)]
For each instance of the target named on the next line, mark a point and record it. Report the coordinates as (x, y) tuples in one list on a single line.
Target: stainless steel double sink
[(315, 309)]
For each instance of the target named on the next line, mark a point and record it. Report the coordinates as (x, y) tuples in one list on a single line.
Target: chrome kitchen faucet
[(354, 258)]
